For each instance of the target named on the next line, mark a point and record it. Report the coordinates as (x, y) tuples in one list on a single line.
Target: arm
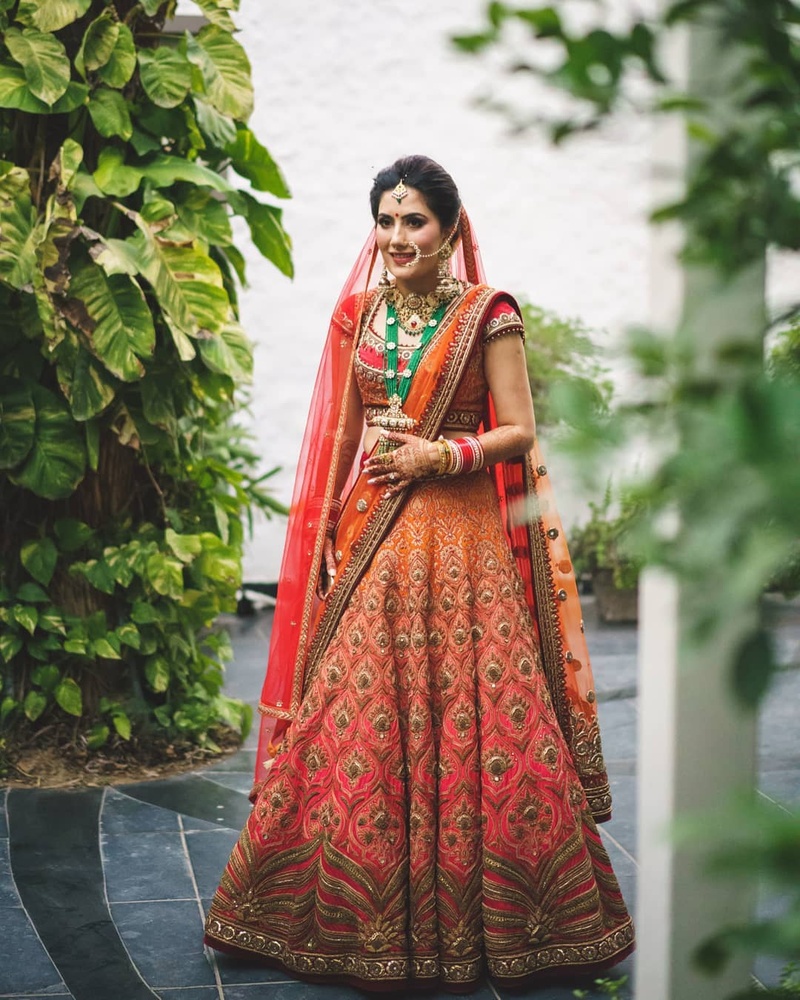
[(507, 375)]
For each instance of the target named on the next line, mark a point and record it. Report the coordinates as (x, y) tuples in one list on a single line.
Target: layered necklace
[(419, 316)]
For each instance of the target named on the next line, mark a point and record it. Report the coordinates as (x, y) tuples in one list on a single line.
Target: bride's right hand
[(327, 573)]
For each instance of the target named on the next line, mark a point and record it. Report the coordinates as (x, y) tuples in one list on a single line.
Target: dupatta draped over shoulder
[(304, 625)]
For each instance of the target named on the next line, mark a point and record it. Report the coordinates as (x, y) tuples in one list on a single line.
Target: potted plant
[(601, 549)]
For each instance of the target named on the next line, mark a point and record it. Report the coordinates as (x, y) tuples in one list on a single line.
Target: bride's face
[(398, 226)]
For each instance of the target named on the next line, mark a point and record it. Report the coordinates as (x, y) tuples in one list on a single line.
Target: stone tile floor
[(103, 891)]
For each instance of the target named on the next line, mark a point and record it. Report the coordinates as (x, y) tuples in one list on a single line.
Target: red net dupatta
[(310, 507)]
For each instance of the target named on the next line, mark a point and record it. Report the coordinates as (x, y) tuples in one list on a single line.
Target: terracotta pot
[(614, 604)]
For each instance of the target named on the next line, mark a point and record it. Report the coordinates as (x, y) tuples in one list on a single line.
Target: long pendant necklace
[(398, 383)]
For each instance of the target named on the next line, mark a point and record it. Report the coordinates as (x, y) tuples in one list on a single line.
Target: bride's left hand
[(416, 458)]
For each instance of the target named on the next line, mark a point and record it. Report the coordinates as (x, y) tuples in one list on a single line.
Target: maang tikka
[(400, 191)]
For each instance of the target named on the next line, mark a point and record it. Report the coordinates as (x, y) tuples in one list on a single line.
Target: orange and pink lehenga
[(431, 812)]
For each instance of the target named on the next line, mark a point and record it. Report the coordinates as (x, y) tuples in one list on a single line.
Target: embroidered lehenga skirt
[(424, 823)]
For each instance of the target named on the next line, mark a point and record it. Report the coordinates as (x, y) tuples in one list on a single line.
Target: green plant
[(125, 475), (604, 541), (566, 377), (608, 987)]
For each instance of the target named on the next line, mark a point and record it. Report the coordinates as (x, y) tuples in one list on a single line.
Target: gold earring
[(384, 281)]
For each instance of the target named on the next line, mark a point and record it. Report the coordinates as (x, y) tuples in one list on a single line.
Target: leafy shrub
[(563, 369), (124, 474), (604, 541)]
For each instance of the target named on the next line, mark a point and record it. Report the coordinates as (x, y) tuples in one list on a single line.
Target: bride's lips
[(402, 258)]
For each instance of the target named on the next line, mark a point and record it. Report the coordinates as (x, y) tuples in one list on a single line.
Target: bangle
[(333, 517), (467, 456), (444, 457)]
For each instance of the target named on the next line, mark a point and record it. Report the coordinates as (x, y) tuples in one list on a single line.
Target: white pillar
[(696, 744)]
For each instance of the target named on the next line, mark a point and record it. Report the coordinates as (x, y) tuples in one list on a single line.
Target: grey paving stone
[(781, 786), (122, 814), (237, 972), (618, 723), (165, 942), (209, 851), (239, 781), (189, 993), (25, 966), (8, 892), (779, 729), (146, 866), (244, 760), (293, 991), (622, 825), (192, 823), (622, 862)]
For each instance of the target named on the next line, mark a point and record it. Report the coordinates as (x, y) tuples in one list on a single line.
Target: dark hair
[(433, 182)]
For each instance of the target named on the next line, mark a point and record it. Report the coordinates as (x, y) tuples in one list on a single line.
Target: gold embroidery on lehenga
[(480, 847)]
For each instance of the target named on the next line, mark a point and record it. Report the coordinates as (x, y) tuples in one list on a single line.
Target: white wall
[(342, 89)]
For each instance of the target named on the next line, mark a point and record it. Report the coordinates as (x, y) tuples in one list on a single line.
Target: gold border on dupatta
[(581, 733)]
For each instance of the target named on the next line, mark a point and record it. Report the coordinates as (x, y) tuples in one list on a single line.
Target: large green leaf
[(43, 59), (110, 115), (187, 283), (164, 171), (57, 460), (116, 177), (71, 533), (98, 45), (165, 574), (51, 15), (121, 62), (252, 160), (35, 703), (113, 176), (10, 645), (267, 231), (39, 557), (229, 353), (83, 380), (118, 322), (205, 216), (183, 343), (17, 240), (218, 129), (216, 13), (166, 75), (117, 256), (69, 697), (225, 69), (17, 421), (218, 561), (16, 94), (156, 670)]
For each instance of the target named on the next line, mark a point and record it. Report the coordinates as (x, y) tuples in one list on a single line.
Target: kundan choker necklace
[(414, 311)]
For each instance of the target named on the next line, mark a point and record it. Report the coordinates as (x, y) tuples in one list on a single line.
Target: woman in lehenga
[(430, 811)]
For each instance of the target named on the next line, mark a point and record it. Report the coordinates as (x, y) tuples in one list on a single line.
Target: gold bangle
[(444, 457)]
